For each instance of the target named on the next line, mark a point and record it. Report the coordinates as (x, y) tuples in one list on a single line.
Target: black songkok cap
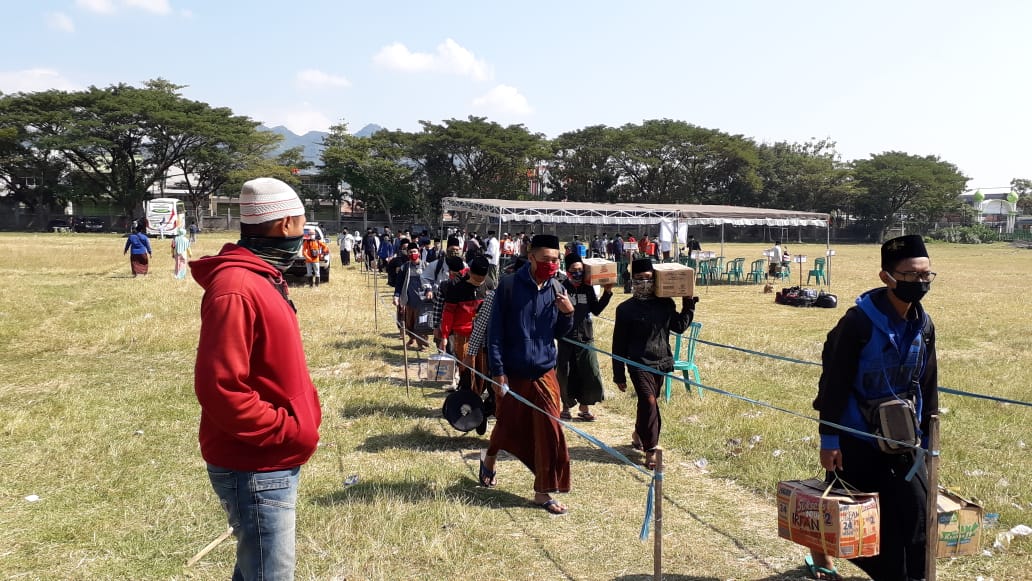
[(455, 263), (573, 258), (479, 266), (901, 248), (453, 241), (641, 265), (544, 241)]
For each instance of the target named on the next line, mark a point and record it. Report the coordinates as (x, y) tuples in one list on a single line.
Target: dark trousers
[(903, 506), (647, 422), (345, 257)]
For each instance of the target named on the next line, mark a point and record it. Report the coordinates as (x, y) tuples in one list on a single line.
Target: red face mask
[(414, 257), (545, 270)]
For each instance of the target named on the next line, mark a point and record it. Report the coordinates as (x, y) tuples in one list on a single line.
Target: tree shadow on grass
[(421, 440), (666, 576), (465, 491), (400, 411), (730, 536)]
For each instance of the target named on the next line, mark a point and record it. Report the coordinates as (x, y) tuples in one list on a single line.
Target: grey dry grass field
[(99, 420)]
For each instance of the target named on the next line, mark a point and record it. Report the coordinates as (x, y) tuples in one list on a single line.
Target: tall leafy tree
[(373, 167), (582, 166), (803, 176), (32, 176), (896, 185), (1023, 188), (122, 139)]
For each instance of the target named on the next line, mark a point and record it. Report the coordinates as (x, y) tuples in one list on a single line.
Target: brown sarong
[(647, 421), (139, 263), (534, 438)]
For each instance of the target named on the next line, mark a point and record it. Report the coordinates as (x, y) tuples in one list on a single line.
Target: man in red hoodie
[(260, 411)]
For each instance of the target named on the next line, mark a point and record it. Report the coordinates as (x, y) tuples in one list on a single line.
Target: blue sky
[(949, 78)]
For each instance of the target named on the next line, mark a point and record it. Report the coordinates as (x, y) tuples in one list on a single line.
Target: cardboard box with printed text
[(840, 523), (673, 280), (599, 271), (960, 525)]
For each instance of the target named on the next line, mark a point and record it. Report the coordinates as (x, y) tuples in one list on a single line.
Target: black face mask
[(911, 292)]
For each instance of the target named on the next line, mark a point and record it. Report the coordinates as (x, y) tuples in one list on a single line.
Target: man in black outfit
[(881, 356)]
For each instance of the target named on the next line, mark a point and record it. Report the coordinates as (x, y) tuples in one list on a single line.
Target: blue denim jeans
[(260, 508)]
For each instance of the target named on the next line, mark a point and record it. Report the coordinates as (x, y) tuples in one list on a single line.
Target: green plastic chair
[(818, 272), (686, 364), (757, 271)]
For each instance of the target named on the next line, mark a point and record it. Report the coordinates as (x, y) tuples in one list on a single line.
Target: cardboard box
[(599, 271), (960, 525), (440, 368), (674, 280), (840, 524)]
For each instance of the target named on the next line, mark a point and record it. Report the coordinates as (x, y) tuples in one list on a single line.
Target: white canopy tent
[(633, 214)]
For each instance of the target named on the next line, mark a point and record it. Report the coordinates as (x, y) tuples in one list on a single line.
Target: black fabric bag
[(424, 314), (826, 300)]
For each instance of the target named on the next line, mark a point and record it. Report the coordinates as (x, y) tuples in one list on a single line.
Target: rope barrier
[(941, 388)]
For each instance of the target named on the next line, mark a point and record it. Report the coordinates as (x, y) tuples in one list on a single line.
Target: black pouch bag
[(893, 418)]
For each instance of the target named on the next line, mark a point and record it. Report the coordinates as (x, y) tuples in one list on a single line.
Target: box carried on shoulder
[(599, 271), (673, 280)]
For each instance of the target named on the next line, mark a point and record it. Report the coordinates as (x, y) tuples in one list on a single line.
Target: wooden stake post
[(932, 518)]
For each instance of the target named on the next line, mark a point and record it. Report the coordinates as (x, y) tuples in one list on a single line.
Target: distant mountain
[(311, 141)]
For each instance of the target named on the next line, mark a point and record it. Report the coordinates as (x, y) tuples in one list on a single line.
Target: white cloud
[(110, 6), (186, 13), (504, 99), (98, 6), (60, 21), (317, 78), (155, 6), (32, 80), (449, 58)]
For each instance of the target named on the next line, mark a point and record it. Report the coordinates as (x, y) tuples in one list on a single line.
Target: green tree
[(582, 167), (231, 145), (895, 185), (121, 139), (34, 177), (667, 161), (1023, 188), (372, 166), (803, 176)]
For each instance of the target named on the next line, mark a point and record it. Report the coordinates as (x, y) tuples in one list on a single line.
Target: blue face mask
[(577, 276)]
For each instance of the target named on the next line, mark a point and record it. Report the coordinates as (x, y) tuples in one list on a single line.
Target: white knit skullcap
[(267, 199)]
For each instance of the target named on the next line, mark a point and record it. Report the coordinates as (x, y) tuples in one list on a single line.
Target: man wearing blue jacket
[(530, 311), (879, 369)]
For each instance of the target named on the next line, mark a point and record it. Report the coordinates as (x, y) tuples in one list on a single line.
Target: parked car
[(89, 224), (298, 269), (57, 223)]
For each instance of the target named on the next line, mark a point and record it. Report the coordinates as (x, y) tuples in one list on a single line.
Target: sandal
[(820, 572), (487, 477), (565, 415), (549, 504), (635, 442), (586, 416)]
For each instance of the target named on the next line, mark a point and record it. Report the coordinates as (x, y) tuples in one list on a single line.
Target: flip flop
[(635, 443), (487, 477), (820, 572), (565, 415), (586, 416), (548, 504)]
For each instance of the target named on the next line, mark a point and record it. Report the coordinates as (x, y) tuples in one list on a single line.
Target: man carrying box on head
[(880, 376), (642, 335)]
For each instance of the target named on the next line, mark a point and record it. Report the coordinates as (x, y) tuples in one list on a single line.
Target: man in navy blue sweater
[(530, 311)]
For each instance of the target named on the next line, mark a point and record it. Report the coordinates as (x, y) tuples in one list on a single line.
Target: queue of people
[(261, 414)]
